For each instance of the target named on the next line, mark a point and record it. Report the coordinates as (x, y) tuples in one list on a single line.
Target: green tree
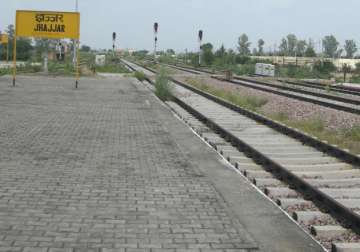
[(339, 53), (85, 48), (301, 48), (244, 45), (23, 45), (261, 44), (310, 49), (231, 57), (291, 44), (170, 52), (221, 56), (330, 45), (141, 54), (207, 53), (42, 46), (350, 48), (221, 52), (283, 48)]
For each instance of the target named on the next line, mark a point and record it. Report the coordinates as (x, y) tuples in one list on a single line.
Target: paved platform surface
[(108, 168)]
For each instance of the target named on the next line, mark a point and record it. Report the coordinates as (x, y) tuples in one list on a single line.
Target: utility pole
[(201, 33), (156, 28)]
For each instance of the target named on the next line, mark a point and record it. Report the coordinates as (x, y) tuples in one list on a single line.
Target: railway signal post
[(114, 41), (200, 45), (156, 28)]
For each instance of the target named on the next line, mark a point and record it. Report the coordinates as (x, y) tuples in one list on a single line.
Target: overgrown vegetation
[(355, 78), (140, 75), (320, 70), (249, 102), (163, 87), (315, 126), (345, 138), (112, 68), (57, 68), (5, 71)]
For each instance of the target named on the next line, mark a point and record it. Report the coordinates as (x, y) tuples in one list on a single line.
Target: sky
[(222, 21)]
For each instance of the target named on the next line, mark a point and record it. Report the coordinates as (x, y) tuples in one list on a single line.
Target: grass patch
[(56, 68), (112, 68), (344, 138), (140, 75), (313, 126), (5, 71), (163, 87), (27, 68), (253, 103), (280, 116)]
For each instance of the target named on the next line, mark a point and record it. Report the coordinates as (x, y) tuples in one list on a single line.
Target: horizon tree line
[(292, 46)]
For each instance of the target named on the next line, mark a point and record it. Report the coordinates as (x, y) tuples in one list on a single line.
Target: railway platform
[(109, 168)]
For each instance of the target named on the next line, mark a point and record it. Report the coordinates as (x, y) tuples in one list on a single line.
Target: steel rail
[(321, 87), (330, 97), (293, 96)]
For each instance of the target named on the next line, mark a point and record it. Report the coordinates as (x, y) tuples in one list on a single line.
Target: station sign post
[(47, 24), (4, 40)]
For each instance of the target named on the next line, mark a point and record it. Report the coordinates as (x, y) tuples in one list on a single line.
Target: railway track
[(305, 83), (316, 183), (336, 89), (345, 102)]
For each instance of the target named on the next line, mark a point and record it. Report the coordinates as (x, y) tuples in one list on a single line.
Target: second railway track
[(347, 102), (315, 186)]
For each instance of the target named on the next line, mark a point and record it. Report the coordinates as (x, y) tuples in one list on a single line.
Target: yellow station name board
[(48, 24), (4, 39)]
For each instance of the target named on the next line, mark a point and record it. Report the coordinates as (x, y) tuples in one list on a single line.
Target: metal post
[(200, 40), (77, 65), (14, 63), (155, 48), (156, 28), (199, 53), (7, 52), (114, 41)]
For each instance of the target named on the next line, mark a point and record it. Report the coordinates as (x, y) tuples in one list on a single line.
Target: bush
[(163, 88), (355, 78), (5, 71), (300, 72), (357, 68), (242, 59), (246, 69), (61, 69), (140, 75), (111, 68), (325, 67), (29, 68)]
